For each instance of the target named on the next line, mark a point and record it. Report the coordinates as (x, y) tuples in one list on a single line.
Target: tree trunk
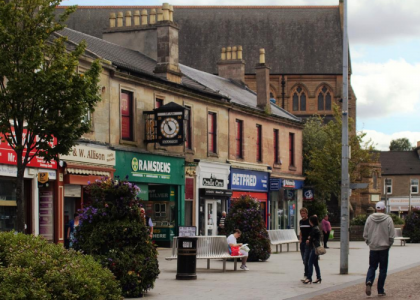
[(20, 195)]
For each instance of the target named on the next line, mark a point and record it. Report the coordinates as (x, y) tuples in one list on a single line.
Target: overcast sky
[(384, 46)]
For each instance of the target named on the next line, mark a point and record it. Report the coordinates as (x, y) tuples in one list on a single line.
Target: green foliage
[(396, 219), (32, 268), (322, 154), (402, 144), (359, 220), (113, 231), (412, 226), (316, 207), (245, 215), (42, 96)]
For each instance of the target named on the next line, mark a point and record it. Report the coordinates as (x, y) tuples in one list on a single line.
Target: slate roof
[(131, 60), (400, 163), (297, 39)]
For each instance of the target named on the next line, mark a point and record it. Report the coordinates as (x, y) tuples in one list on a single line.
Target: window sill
[(276, 166), (211, 154), (189, 151), (292, 168), (125, 142)]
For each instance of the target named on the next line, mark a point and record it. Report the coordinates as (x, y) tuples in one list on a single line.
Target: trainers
[(368, 288), (382, 295), (243, 267)]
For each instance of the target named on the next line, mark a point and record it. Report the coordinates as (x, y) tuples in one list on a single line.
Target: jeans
[(313, 262), (378, 258), (326, 237), (304, 252)]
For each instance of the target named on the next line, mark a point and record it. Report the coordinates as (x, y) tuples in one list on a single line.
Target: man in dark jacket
[(379, 234)]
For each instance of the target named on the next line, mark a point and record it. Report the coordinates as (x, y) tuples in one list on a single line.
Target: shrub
[(316, 207), (32, 268), (412, 226), (244, 214), (361, 220), (112, 230)]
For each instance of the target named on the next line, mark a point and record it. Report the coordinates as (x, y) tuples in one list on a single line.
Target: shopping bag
[(331, 234), (235, 250), (320, 250)]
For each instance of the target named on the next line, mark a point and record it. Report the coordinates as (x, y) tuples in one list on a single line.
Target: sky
[(384, 37)]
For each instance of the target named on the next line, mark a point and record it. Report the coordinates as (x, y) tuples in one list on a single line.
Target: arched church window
[(324, 99), (299, 100)]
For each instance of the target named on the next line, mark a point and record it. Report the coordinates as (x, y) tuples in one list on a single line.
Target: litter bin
[(187, 258)]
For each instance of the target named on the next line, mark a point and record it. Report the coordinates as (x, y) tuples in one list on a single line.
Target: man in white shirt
[(231, 240)]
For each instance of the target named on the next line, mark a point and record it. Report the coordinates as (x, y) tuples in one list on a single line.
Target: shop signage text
[(213, 182), (288, 183), (148, 165), (249, 180), (87, 154)]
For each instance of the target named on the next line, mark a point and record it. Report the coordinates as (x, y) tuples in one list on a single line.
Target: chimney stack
[(263, 84), (231, 65), (167, 46)]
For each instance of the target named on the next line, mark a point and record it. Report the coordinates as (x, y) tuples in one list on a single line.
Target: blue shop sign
[(245, 180), (277, 183)]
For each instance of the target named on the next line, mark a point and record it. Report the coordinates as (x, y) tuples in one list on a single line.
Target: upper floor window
[(239, 138), (159, 103), (388, 186), (291, 149), (259, 143), (127, 116), (212, 132), (188, 129), (299, 99), (375, 180), (414, 186), (276, 150), (324, 99)]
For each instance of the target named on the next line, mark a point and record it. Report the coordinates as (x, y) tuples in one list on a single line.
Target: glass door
[(211, 217)]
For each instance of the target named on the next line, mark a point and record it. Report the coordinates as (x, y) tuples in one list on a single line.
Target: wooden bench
[(399, 236), (209, 247), (278, 237)]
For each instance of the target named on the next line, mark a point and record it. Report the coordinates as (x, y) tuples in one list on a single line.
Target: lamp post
[(409, 196)]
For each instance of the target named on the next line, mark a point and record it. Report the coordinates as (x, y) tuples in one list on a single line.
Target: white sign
[(400, 203), (90, 155), (186, 231)]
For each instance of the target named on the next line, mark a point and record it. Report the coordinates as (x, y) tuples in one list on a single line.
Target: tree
[(323, 155), (402, 144), (245, 215), (112, 230), (42, 98)]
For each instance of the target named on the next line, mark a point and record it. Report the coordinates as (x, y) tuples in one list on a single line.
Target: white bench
[(399, 236), (209, 247), (278, 237)]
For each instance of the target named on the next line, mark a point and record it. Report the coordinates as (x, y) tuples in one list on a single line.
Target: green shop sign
[(150, 168)]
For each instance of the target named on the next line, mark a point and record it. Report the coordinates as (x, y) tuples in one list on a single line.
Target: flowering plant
[(245, 215), (412, 226), (112, 230)]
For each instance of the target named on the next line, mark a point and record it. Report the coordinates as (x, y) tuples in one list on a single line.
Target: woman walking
[(313, 242)]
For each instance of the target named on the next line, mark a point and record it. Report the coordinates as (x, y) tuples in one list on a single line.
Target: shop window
[(291, 149), (299, 99), (160, 209), (127, 116), (388, 186), (259, 143), (324, 99), (8, 206), (414, 186), (239, 138), (276, 145), (188, 129), (212, 132)]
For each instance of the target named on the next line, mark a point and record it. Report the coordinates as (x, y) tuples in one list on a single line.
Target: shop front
[(85, 163), (253, 184), (161, 181), (286, 201), (212, 188)]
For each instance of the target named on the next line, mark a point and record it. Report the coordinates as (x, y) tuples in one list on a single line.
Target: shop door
[(211, 217)]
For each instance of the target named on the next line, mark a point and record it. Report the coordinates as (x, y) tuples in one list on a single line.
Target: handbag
[(320, 250)]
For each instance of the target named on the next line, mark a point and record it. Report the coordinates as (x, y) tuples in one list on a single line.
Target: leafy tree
[(42, 98), (402, 144), (245, 215), (112, 230), (323, 155)]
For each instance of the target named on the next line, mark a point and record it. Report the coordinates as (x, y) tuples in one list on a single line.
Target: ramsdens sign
[(149, 165)]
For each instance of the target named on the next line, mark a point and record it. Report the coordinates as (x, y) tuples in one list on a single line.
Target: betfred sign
[(8, 156)]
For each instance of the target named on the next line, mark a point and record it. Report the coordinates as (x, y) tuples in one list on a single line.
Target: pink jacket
[(326, 225)]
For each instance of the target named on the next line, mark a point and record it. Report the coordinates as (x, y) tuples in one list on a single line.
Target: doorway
[(211, 217)]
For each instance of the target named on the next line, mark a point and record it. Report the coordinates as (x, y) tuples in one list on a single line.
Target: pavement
[(279, 277)]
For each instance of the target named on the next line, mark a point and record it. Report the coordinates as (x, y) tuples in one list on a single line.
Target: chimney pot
[(153, 16), (136, 18), (144, 17), (165, 9), (171, 13), (112, 20), (229, 53), (128, 18), (262, 56), (120, 19), (240, 52), (159, 15), (234, 49), (223, 55)]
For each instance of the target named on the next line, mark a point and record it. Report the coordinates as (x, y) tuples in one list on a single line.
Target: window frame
[(239, 138), (326, 105), (276, 146), (414, 185), (130, 115), (159, 102), (386, 186), (259, 152), (298, 100), (292, 159), (212, 132)]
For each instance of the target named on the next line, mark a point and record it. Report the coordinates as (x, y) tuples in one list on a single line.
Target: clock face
[(169, 127)]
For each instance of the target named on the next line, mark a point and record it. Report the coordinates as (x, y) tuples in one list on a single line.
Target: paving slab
[(277, 278)]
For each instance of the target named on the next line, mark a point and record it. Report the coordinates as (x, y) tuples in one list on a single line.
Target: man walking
[(379, 235), (305, 229)]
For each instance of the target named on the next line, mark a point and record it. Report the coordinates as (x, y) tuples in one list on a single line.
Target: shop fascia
[(88, 154)]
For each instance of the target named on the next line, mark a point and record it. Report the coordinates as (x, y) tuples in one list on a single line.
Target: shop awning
[(87, 172)]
